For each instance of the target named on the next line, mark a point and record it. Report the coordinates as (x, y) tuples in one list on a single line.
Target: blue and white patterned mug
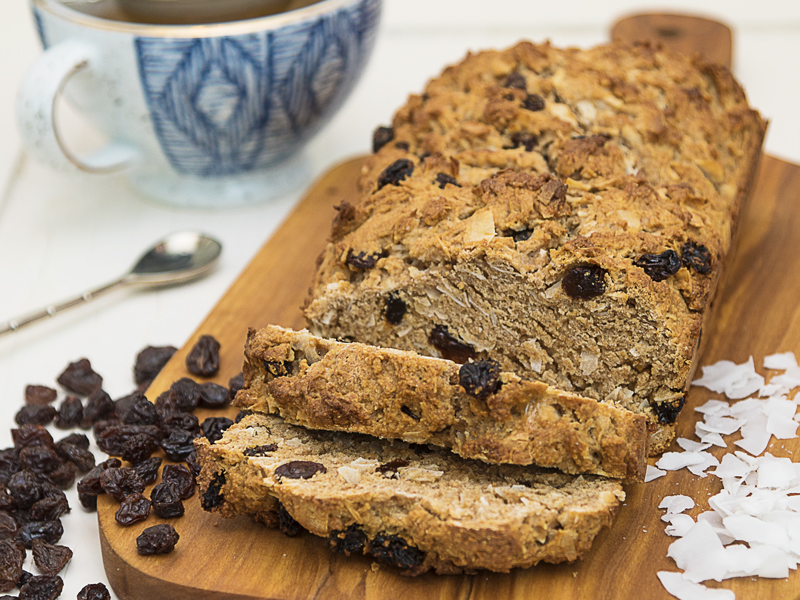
[(199, 115)]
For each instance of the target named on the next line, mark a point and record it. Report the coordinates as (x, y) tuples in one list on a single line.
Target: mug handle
[(37, 112)]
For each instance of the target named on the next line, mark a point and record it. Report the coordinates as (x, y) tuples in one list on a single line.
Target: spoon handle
[(54, 309)]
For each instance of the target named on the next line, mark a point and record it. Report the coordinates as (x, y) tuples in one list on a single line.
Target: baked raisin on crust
[(564, 212), (475, 410), (413, 507)]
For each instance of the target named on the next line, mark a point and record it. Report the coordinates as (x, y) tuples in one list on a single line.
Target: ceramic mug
[(198, 115)]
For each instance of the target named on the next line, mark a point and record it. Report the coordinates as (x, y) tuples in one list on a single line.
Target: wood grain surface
[(217, 559)]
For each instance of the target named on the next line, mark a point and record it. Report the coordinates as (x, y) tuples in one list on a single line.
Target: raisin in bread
[(564, 212), (475, 410), (414, 507)]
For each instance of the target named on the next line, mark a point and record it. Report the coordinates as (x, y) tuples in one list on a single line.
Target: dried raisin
[(213, 497), (140, 411), (50, 559), (443, 179), (533, 102), (98, 406), (262, 450), (112, 439), (659, 266), (449, 347), (213, 428), (149, 363), (120, 482), (138, 447), (147, 469), (39, 394), (696, 256), (522, 139), (12, 556), (407, 411), (516, 80), (395, 309), (380, 137), (31, 435), (584, 281), (235, 384), (286, 522), (181, 480), (25, 488), (70, 413), (390, 469), (668, 411), (349, 542), (362, 260), (49, 531), (178, 445), (35, 414), (41, 587), (94, 591), (80, 378), (396, 172), (39, 459), (395, 551), (278, 368), (299, 469), (8, 526), (186, 394), (134, 509), (203, 358), (480, 379), (80, 457), (213, 395), (50, 508), (158, 539)]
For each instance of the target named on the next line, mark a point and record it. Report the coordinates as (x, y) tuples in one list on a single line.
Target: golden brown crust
[(432, 511), (512, 169), (324, 384)]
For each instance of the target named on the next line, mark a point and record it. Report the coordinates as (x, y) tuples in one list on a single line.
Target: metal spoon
[(178, 258)]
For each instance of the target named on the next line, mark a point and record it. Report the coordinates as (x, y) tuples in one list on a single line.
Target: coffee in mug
[(183, 12)]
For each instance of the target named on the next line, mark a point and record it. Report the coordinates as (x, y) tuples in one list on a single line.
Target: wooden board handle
[(682, 33)]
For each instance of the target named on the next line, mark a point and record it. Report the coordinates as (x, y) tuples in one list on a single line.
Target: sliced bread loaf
[(415, 507), (564, 212), (474, 409)]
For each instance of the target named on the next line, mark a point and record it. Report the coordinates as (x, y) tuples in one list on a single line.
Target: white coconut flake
[(653, 473), (672, 461), (679, 525), (790, 379), (709, 460), (755, 437), (691, 445), (731, 466), (746, 528), (699, 554), (676, 504), (774, 472), (715, 406), (682, 589), (780, 362), (735, 381)]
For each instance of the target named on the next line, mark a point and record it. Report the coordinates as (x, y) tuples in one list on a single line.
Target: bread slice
[(414, 507), (564, 212), (473, 409)]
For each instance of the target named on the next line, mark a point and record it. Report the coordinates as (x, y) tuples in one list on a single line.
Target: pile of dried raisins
[(36, 470)]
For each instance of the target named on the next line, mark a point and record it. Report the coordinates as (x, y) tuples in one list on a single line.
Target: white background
[(61, 234)]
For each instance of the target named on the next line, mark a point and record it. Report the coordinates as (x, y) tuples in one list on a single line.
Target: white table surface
[(63, 233)]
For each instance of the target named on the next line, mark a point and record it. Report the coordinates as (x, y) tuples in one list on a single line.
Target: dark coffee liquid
[(183, 12)]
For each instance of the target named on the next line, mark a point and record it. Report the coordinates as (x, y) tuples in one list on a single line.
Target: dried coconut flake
[(753, 527)]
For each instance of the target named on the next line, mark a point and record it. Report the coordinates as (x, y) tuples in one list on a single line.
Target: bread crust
[(514, 169), (434, 511), (325, 384)]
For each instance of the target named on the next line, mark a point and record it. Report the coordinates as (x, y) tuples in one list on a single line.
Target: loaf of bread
[(474, 409), (564, 213), (414, 507)]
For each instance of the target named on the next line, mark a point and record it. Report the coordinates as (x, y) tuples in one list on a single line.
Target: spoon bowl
[(178, 258)]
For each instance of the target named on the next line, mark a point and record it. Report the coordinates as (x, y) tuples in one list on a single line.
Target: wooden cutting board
[(217, 559)]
